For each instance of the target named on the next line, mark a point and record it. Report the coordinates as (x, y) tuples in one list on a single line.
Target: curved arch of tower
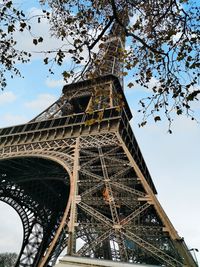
[(38, 188), (77, 178)]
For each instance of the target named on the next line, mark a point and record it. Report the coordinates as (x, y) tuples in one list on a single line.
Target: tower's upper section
[(102, 86), (110, 56)]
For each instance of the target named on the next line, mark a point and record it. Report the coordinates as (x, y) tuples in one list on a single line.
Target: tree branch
[(115, 14), (101, 34)]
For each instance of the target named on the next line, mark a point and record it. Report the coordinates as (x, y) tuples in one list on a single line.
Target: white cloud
[(133, 18), (50, 43), (25, 39), (7, 97), (11, 119), (177, 36), (55, 83), (41, 102), (153, 82)]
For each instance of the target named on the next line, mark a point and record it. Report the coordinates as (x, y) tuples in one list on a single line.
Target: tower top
[(109, 59)]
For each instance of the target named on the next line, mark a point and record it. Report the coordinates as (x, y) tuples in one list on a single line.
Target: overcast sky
[(173, 160)]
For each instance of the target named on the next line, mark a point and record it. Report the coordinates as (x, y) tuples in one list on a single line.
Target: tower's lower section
[(85, 186)]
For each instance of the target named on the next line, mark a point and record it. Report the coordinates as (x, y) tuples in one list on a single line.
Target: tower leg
[(71, 248)]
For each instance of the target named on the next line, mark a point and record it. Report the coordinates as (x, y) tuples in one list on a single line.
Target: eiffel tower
[(77, 178)]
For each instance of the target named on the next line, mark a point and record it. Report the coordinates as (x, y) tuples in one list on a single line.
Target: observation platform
[(68, 261)]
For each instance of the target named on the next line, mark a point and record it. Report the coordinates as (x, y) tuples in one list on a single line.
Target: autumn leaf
[(157, 118), (130, 85), (35, 41), (40, 39)]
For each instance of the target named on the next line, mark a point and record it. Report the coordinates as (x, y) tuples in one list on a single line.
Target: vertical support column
[(183, 250), (111, 199), (111, 95), (90, 106), (113, 208), (71, 248)]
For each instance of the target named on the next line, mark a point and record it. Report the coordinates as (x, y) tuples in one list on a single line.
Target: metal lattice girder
[(122, 172), (135, 213), (112, 204), (95, 243), (94, 213), (145, 230), (170, 261), (102, 140), (122, 247), (90, 174), (93, 189), (128, 189)]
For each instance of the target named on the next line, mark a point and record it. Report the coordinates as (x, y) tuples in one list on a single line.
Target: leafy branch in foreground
[(11, 20), (162, 45)]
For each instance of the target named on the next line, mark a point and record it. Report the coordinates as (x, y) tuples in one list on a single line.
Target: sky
[(172, 159)]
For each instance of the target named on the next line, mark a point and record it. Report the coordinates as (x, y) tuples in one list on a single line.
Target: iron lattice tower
[(77, 178)]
